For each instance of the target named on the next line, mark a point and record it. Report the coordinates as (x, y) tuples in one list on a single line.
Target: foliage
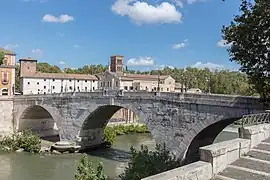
[(111, 132), (146, 163), (25, 139), (85, 170), (2, 57), (47, 68), (248, 34)]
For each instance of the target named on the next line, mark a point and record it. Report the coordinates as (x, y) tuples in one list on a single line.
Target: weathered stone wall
[(6, 119)]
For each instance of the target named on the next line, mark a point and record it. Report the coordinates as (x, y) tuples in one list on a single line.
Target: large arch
[(206, 137), (40, 121), (92, 129)]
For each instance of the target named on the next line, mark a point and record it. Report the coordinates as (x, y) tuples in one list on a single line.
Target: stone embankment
[(245, 158)]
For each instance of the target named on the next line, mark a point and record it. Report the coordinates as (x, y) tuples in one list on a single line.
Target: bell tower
[(117, 64)]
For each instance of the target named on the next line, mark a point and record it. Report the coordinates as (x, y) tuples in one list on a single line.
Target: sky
[(150, 34)]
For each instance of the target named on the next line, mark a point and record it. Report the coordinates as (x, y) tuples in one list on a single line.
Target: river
[(25, 166)]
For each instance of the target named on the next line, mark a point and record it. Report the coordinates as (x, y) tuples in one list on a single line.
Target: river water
[(25, 166)]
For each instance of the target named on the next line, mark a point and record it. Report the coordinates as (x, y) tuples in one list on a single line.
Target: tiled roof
[(60, 76), (131, 77), (7, 51)]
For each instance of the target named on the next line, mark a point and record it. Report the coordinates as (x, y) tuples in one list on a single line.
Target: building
[(116, 79), (33, 82), (7, 73)]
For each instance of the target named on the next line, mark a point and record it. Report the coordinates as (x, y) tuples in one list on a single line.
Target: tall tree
[(249, 38), (2, 57)]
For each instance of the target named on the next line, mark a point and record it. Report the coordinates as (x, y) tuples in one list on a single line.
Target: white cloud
[(61, 19), (141, 61), (144, 13), (11, 46), (181, 3), (210, 66), (223, 43), (37, 51), (180, 45), (76, 46), (62, 63)]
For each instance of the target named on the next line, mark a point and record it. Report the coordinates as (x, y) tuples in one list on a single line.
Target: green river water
[(25, 166)]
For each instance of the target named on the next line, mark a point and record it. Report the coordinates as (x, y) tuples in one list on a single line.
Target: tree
[(85, 170), (2, 57), (146, 163), (249, 38)]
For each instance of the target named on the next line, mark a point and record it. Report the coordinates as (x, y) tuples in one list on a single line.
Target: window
[(70, 87), (38, 89), (70, 80), (53, 87), (37, 83), (5, 78), (85, 80), (28, 83), (78, 87), (61, 88), (131, 87), (93, 88), (119, 68), (125, 87), (168, 89), (85, 88), (93, 81), (78, 80), (119, 61), (44, 79), (44, 87), (44, 92), (53, 80), (116, 83)]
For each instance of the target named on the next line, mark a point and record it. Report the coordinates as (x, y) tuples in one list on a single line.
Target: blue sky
[(149, 33)]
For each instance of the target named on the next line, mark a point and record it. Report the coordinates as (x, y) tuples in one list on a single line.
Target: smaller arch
[(206, 137), (40, 121)]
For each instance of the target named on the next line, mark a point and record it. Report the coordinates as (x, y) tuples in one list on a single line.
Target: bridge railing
[(255, 119)]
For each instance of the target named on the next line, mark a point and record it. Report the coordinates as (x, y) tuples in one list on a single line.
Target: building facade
[(7, 73), (33, 82), (116, 79)]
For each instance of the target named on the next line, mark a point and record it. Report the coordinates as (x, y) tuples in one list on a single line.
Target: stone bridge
[(184, 122)]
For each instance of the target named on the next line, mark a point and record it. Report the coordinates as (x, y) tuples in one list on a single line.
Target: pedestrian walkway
[(254, 166)]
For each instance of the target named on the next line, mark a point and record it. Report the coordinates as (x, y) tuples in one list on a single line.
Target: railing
[(254, 119)]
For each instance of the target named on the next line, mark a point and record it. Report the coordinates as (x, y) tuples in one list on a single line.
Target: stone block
[(198, 170), (256, 133), (220, 155)]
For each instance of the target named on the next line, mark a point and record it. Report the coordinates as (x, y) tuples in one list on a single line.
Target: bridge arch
[(40, 120), (206, 137), (92, 128)]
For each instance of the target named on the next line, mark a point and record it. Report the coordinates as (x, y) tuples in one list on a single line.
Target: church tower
[(117, 64)]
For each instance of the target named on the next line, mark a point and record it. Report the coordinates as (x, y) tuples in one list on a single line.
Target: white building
[(116, 79), (33, 82)]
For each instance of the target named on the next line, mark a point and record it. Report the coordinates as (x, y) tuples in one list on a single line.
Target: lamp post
[(208, 80)]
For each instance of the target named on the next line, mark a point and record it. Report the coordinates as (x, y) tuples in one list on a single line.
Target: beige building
[(7, 73), (34, 82), (116, 79)]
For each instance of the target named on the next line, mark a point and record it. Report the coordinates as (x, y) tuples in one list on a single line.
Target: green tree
[(249, 37), (2, 57), (85, 170), (146, 163)]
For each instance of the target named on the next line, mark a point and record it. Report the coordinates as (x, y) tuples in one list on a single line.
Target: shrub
[(85, 170), (24, 139), (146, 163), (111, 132)]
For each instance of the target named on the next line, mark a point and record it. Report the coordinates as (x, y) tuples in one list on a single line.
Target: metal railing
[(254, 119)]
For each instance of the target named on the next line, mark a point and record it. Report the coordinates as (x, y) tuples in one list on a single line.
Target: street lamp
[(208, 80)]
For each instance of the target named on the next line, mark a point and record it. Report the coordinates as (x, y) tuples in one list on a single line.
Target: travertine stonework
[(175, 119), (6, 116)]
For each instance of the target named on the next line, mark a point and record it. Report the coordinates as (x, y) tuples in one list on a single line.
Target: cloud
[(61, 19), (181, 3), (37, 51), (180, 45), (11, 46), (76, 46), (144, 13), (210, 66), (62, 63), (223, 43), (141, 61)]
